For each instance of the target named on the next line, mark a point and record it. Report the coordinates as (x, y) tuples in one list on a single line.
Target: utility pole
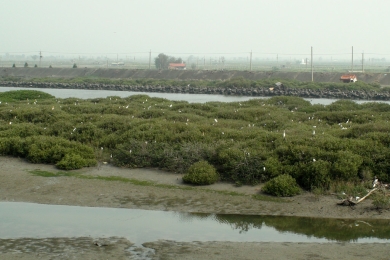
[(40, 58), (352, 60), (150, 57), (311, 63), (363, 62), (250, 62)]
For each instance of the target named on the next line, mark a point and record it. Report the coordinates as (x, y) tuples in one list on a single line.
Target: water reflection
[(348, 230), (22, 220)]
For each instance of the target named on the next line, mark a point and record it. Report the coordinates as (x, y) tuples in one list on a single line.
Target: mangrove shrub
[(201, 173), (282, 186)]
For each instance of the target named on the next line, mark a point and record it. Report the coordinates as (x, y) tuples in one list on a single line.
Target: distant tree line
[(162, 61)]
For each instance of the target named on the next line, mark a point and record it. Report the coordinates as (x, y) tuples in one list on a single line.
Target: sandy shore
[(17, 184)]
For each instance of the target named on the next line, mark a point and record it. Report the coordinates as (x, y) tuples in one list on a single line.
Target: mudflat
[(166, 191)]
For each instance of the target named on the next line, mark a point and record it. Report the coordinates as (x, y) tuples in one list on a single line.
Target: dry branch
[(349, 202)]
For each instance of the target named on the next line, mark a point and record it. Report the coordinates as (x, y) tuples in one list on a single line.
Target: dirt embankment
[(381, 78), (18, 184)]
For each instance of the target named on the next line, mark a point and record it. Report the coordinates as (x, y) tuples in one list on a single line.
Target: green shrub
[(71, 162), (14, 146), (282, 186), (240, 166), (381, 201), (201, 173), (346, 166), (317, 175), (15, 95)]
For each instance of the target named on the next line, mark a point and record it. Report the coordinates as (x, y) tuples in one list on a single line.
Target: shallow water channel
[(30, 220), (191, 98)]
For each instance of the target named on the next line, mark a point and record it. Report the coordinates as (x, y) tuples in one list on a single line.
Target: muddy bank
[(119, 248), (233, 91), (18, 184), (280, 251)]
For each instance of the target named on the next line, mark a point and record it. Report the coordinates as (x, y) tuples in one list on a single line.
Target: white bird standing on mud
[(375, 182), (284, 134)]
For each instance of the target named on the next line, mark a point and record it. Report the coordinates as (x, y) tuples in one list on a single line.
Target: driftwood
[(350, 202)]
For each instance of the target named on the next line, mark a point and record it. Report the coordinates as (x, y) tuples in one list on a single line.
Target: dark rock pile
[(259, 91)]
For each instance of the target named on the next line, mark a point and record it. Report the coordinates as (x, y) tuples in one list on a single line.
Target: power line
[(191, 53)]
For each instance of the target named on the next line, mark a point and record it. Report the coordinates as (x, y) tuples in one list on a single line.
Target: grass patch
[(150, 184), (268, 198), (225, 192), (51, 174), (131, 181)]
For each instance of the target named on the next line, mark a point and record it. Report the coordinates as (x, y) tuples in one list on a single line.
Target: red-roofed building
[(346, 78), (177, 66)]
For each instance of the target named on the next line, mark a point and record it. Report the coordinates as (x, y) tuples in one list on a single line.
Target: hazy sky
[(200, 27)]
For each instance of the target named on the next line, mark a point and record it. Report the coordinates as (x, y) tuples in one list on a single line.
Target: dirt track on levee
[(28, 73)]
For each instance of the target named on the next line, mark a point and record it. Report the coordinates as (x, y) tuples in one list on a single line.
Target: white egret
[(375, 182)]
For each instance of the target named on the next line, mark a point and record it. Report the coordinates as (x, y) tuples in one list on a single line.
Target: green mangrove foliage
[(201, 173), (246, 142), (17, 95), (282, 186)]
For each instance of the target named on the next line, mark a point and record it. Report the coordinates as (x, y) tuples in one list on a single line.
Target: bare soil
[(18, 184)]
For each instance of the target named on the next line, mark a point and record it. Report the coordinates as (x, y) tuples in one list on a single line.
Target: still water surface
[(191, 98), (20, 220)]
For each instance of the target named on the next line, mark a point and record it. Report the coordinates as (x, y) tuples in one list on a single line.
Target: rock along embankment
[(99, 73), (255, 92)]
